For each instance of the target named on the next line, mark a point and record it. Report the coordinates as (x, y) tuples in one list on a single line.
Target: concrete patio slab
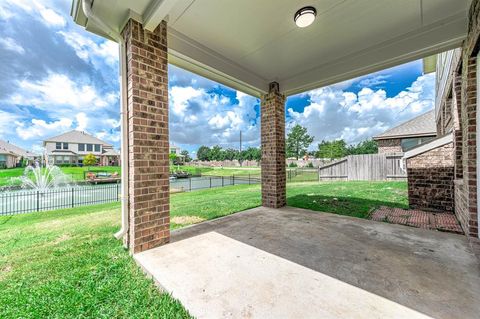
[(294, 263)]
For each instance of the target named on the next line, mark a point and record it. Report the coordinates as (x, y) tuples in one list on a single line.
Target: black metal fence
[(197, 183), (25, 201)]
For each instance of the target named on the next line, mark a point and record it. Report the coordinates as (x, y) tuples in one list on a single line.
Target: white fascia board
[(444, 140)]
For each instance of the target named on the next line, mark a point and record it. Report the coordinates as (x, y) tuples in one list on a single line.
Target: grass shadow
[(342, 205)]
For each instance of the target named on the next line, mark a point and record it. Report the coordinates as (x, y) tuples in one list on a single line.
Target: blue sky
[(60, 77)]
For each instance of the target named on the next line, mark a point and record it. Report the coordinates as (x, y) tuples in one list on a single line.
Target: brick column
[(147, 96), (469, 146), (273, 148)]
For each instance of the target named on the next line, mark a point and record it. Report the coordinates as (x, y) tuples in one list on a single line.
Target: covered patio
[(274, 261), (296, 263)]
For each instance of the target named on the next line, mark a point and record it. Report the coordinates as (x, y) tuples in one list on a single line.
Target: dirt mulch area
[(442, 221)]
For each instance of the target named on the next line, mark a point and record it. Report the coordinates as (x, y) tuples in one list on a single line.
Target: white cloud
[(10, 44), (90, 51), (59, 90), (201, 117), (6, 120), (40, 128), (51, 17), (374, 80), (82, 121), (335, 114), (37, 9)]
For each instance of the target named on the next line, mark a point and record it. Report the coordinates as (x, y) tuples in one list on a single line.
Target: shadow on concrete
[(431, 272)]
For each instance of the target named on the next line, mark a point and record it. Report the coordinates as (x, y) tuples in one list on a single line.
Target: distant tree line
[(298, 141), (338, 149), (217, 153), (296, 145)]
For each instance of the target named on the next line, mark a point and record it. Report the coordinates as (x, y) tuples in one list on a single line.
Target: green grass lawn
[(67, 264)]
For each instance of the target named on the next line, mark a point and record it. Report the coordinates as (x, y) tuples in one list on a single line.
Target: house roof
[(422, 125), (110, 152), (232, 42), (76, 137), (8, 148)]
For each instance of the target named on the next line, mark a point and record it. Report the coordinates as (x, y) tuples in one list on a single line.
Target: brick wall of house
[(273, 148), (460, 102), (389, 146), (148, 146), (430, 179)]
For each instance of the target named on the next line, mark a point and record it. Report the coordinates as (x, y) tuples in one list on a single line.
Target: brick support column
[(147, 98), (273, 148), (469, 147)]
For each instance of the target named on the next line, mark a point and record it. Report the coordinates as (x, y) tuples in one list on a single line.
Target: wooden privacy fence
[(367, 167)]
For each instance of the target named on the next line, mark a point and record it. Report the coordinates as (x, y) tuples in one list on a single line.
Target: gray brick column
[(273, 148), (147, 98)]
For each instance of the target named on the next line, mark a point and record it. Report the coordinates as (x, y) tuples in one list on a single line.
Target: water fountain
[(37, 178)]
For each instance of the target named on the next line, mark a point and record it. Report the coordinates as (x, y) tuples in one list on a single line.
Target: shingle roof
[(422, 125), (76, 137), (110, 152), (6, 147)]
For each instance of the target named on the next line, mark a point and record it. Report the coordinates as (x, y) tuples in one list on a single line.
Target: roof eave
[(391, 137)]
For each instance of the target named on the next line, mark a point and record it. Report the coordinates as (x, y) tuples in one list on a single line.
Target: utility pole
[(240, 149)]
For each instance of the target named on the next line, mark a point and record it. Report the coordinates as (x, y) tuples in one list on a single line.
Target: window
[(58, 146), (65, 146), (409, 143), (97, 147), (81, 147), (89, 147)]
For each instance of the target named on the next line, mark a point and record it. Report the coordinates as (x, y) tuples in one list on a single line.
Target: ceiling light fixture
[(305, 16)]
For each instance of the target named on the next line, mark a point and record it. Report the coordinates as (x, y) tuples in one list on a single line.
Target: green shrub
[(309, 165), (292, 164)]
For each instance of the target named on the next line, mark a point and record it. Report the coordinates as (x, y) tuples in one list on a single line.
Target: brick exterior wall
[(461, 105), (148, 148), (430, 179), (273, 148), (390, 146)]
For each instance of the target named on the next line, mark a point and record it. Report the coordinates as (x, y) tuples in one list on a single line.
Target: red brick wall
[(273, 148), (390, 146), (430, 179), (148, 149)]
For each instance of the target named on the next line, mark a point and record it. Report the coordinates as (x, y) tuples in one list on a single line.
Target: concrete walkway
[(293, 263)]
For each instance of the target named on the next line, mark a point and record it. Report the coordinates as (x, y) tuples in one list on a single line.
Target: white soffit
[(247, 44)]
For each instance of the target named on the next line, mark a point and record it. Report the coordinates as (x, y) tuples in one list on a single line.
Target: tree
[(364, 147), (230, 154), (203, 153), (332, 149), (298, 141), (172, 157), (187, 157), (89, 160), (251, 154), (216, 153)]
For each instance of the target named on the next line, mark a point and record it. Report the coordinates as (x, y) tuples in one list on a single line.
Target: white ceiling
[(247, 44)]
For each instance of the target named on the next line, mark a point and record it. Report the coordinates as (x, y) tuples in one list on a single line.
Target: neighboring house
[(11, 155), (177, 151), (71, 148), (408, 135)]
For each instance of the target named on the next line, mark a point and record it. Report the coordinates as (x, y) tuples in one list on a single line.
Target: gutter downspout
[(87, 9)]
